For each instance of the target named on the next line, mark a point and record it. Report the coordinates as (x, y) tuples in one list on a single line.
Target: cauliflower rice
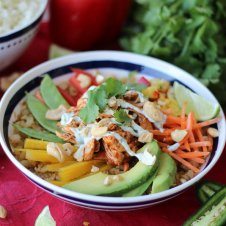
[(16, 13)]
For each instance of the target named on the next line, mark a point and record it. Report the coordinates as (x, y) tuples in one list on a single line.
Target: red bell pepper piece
[(78, 71), (74, 81), (144, 81), (70, 99), (76, 84)]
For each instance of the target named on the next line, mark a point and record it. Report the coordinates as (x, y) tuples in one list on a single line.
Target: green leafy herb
[(100, 97), (97, 98), (114, 87), (90, 112), (188, 33), (136, 86), (121, 116)]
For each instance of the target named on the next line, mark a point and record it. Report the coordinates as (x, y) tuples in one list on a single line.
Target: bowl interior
[(108, 63)]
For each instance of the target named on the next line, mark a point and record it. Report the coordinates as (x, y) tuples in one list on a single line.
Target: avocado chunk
[(136, 176), (140, 189), (166, 174)]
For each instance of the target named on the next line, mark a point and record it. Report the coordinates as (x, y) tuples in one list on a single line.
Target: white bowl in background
[(105, 61), (15, 42)]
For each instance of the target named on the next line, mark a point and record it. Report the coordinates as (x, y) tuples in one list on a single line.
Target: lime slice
[(57, 51), (202, 108), (45, 218)]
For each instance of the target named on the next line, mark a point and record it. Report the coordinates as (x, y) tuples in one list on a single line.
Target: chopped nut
[(3, 212), (152, 111), (178, 135), (98, 131), (104, 122), (86, 223), (182, 180), (56, 151), (112, 102), (84, 80), (107, 180), (55, 114), (213, 132), (99, 79), (117, 178), (68, 148), (95, 169), (85, 131), (145, 137)]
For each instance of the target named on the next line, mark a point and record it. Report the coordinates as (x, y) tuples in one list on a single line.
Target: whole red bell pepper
[(87, 24)]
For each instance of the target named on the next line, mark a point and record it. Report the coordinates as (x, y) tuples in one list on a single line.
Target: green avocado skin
[(166, 174), (140, 189), (137, 175)]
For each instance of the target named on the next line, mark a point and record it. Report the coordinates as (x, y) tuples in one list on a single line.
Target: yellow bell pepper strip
[(58, 182), (56, 166), (77, 169), (40, 155), (35, 144)]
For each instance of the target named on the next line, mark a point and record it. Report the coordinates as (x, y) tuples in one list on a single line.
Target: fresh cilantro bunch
[(98, 99), (188, 33)]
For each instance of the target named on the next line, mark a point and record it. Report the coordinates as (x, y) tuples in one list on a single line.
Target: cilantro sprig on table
[(98, 99), (188, 33)]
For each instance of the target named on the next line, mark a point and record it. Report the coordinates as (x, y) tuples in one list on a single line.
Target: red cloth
[(24, 201)]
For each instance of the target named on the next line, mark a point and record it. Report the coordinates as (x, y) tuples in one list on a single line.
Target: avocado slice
[(140, 189), (94, 184), (166, 174)]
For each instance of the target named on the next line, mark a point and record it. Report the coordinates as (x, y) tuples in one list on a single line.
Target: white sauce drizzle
[(67, 118), (127, 105), (145, 157), (83, 138), (173, 147)]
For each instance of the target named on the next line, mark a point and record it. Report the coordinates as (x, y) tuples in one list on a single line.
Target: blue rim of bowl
[(19, 95), (23, 30), (85, 199)]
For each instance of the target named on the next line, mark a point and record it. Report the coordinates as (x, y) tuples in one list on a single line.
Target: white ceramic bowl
[(106, 61), (15, 42)]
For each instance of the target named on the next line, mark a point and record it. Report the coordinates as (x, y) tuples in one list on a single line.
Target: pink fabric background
[(24, 201)]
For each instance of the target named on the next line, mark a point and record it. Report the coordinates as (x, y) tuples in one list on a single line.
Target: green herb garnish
[(121, 116), (97, 98), (187, 33)]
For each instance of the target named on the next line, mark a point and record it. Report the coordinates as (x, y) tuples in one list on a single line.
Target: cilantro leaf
[(114, 87), (100, 97), (188, 33), (135, 86), (121, 116), (90, 112)]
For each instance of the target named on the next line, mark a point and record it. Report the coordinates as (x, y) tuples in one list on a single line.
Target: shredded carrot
[(161, 144), (200, 144), (182, 117), (199, 160), (191, 155), (173, 120), (181, 160), (187, 146), (207, 123), (166, 132)]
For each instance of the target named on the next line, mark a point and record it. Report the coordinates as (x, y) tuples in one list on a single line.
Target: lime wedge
[(45, 218), (57, 51), (202, 108)]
